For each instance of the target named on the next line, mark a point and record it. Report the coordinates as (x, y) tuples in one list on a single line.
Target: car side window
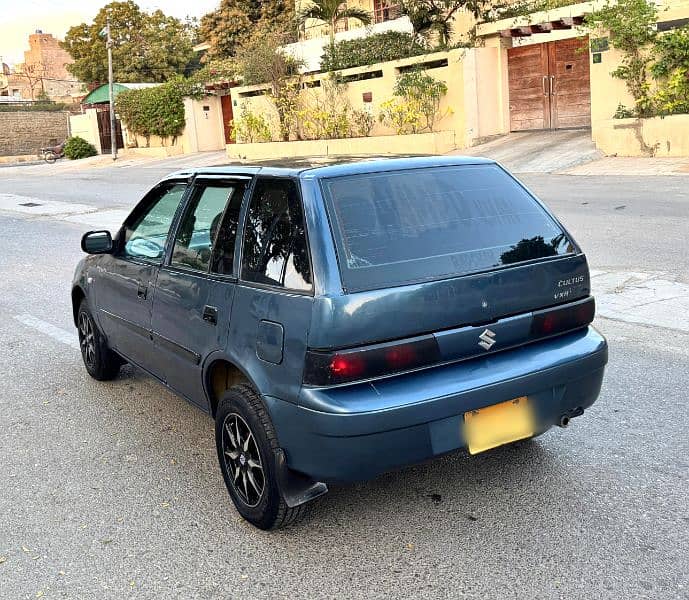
[(200, 224), (146, 235), (222, 257), (275, 250)]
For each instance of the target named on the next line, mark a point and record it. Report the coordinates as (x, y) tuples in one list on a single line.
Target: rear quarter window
[(402, 227)]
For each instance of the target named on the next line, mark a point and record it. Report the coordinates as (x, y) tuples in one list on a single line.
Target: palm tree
[(332, 12)]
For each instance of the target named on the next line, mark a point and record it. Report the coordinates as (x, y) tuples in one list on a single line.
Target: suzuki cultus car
[(342, 321)]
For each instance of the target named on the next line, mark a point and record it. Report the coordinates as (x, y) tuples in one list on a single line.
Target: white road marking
[(647, 298), (61, 335), (41, 208)]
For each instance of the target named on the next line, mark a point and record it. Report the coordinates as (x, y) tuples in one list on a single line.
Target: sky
[(19, 18)]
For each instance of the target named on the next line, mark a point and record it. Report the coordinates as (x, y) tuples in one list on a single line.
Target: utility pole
[(113, 122)]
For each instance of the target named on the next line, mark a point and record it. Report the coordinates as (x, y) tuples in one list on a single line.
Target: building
[(385, 15), (44, 72), (538, 71), (203, 130), (4, 81)]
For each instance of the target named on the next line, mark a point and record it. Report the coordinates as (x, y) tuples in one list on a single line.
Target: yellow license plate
[(499, 424)]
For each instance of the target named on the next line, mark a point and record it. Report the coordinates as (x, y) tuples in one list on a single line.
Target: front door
[(549, 85), (227, 118), (125, 280), (195, 287)]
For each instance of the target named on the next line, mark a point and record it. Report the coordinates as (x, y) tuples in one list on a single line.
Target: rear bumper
[(357, 432)]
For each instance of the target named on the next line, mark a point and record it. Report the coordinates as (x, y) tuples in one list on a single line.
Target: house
[(44, 72), (203, 130), (538, 71)]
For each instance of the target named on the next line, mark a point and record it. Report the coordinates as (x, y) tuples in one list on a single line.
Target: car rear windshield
[(402, 227)]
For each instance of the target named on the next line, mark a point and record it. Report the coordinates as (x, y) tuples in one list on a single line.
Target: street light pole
[(113, 123)]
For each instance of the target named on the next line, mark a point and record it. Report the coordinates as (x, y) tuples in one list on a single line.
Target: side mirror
[(97, 242)]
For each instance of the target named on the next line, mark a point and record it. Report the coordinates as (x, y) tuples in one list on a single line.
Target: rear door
[(126, 279), (274, 297), (195, 288)]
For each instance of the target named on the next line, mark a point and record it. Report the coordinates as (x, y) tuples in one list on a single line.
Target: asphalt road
[(113, 491)]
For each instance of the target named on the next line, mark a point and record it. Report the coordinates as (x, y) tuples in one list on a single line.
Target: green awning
[(101, 94)]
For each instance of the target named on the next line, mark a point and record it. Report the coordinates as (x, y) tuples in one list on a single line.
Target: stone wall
[(24, 132)]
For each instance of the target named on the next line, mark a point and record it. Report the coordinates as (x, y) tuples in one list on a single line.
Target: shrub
[(327, 114), (632, 32), (416, 106), (250, 128), (362, 123), (155, 111), (380, 47), (623, 112), (671, 71), (77, 147)]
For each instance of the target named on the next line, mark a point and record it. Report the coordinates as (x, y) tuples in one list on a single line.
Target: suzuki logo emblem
[(487, 339)]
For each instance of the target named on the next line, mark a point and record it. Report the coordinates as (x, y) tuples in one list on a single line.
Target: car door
[(126, 279), (271, 313), (195, 287)]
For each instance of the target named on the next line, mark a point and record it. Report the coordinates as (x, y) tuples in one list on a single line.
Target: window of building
[(385, 10)]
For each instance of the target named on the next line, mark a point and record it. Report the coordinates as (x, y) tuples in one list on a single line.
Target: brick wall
[(25, 132)]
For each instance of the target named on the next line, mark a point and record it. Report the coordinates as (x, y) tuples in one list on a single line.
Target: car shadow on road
[(456, 490)]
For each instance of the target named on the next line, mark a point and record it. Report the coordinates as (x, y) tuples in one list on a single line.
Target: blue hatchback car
[(345, 320)]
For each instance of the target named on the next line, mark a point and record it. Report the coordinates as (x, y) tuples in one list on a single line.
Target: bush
[(250, 128), (77, 147), (156, 110), (416, 106), (380, 47)]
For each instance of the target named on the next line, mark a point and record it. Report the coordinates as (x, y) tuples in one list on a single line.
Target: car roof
[(350, 166)]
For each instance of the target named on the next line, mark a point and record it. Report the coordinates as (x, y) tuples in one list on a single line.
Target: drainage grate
[(30, 204)]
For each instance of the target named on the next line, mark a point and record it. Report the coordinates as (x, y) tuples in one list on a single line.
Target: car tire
[(101, 363), (246, 444)]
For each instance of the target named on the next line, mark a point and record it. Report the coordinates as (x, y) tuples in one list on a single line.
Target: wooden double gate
[(550, 85)]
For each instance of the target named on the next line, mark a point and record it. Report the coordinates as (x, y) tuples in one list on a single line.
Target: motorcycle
[(51, 153)]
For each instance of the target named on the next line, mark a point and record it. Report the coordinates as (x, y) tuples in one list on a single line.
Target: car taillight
[(344, 366), (559, 319)]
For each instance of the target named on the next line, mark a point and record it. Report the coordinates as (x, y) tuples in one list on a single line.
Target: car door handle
[(142, 290), (210, 314)]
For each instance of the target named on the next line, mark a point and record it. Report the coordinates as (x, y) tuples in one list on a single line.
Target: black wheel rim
[(242, 460), (87, 340)]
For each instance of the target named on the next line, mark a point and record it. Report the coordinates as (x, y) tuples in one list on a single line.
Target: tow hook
[(567, 417)]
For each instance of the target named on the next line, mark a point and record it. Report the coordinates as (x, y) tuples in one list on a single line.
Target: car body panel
[(364, 429), (364, 317), (124, 297), (181, 336)]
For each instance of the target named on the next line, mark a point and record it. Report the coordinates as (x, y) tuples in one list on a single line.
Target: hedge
[(380, 47)]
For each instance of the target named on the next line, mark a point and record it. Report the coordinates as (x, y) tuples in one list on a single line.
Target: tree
[(33, 74), (434, 17), (332, 12), (261, 59), (147, 47), (227, 27)]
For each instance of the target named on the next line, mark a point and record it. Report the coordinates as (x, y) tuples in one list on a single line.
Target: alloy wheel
[(242, 460), (87, 340)]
